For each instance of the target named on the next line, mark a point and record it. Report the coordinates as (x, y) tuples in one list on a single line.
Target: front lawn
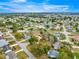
[(65, 53), (16, 48), (40, 49), (2, 56), (12, 42), (77, 55), (22, 55)]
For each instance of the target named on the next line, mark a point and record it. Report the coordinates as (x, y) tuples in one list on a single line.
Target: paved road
[(23, 46), (66, 33), (67, 38)]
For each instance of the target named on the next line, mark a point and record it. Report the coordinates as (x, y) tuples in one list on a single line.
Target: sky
[(13, 6)]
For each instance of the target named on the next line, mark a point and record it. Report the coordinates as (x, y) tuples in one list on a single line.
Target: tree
[(65, 53), (19, 35), (15, 27), (32, 40)]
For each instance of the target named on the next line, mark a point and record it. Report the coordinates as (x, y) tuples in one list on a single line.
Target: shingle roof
[(3, 43), (76, 37), (53, 53)]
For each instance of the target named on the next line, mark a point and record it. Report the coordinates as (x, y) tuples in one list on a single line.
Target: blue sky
[(10, 6)]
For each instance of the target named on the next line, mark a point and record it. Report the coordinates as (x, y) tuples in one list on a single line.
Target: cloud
[(12, 10), (8, 9), (19, 1), (18, 7), (48, 8), (30, 7), (56, 7), (1, 6)]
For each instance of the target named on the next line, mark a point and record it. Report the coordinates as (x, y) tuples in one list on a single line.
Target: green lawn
[(19, 36), (77, 55), (72, 34), (22, 55), (12, 42), (65, 53), (40, 49), (2, 56)]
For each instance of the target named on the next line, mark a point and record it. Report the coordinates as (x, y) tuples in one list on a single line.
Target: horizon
[(38, 12)]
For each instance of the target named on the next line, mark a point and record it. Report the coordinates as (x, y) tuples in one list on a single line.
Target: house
[(53, 53), (78, 27), (76, 38), (69, 27), (1, 33), (10, 54), (26, 37), (1, 37), (4, 45), (57, 27), (57, 45), (74, 30), (57, 35)]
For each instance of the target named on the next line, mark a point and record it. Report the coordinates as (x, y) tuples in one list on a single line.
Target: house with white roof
[(4, 45)]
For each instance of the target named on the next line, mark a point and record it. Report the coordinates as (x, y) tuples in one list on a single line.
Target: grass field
[(22, 55)]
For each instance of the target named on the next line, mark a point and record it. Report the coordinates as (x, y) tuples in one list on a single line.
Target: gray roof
[(26, 37), (3, 43), (1, 33), (11, 55), (57, 45), (53, 53)]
